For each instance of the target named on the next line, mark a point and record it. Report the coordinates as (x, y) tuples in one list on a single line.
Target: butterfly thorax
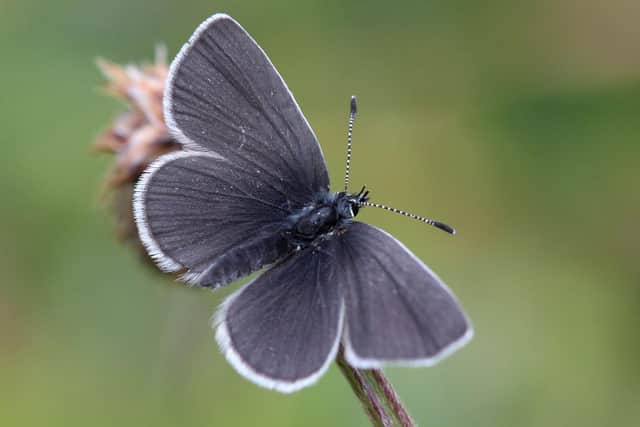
[(328, 212)]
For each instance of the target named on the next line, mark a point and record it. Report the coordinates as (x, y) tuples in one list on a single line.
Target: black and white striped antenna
[(442, 226), (363, 196), (352, 117)]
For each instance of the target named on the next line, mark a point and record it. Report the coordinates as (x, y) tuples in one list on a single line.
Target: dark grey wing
[(397, 309), (282, 331), (204, 214), (224, 95)]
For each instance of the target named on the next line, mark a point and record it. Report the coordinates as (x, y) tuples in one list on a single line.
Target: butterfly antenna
[(437, 224), (352, 117)]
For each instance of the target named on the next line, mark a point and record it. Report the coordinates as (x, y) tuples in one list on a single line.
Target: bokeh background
[(518, 122)]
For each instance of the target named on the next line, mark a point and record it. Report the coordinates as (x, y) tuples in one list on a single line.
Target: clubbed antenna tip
[(444, 227)]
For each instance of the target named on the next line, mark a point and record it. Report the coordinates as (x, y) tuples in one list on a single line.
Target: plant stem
[(376, 394)]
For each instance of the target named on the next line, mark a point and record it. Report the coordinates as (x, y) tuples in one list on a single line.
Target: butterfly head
[(348, 205)]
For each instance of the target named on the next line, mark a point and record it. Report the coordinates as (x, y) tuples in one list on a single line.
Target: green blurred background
[(515, 121)]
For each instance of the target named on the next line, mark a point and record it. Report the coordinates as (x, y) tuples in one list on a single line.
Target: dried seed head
[(140, 135), (136, 137)]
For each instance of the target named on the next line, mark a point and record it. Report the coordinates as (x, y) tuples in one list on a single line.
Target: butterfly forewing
[(397, 309), (224, 95)]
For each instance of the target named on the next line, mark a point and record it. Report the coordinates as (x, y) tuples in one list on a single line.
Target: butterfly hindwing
[(224, 95), (283, 329), (203, 214)]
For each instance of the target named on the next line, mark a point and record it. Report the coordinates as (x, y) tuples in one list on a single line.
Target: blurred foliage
[(517, 122)]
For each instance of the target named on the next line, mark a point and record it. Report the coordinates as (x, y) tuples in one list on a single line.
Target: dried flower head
[(136, 137), (140, 135)]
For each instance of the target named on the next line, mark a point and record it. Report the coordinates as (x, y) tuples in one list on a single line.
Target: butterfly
[(250, 191)]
